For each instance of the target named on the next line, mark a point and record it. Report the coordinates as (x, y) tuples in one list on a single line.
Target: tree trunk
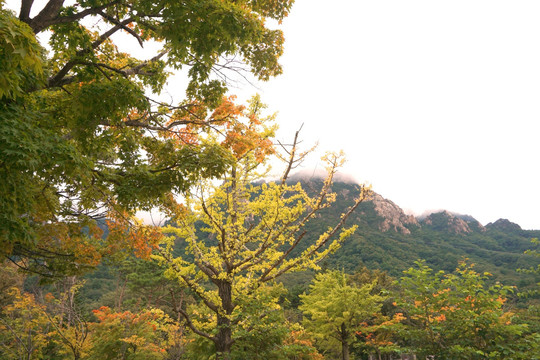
[(224, 339), (120, 290), (344, 343), (344, 350)]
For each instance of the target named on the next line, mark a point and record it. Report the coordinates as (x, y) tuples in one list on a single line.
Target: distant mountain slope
[(391, 240)]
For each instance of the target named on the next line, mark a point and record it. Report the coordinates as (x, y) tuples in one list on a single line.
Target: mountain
[(451, 223), (389, 239), (393, 217), (505, 225)]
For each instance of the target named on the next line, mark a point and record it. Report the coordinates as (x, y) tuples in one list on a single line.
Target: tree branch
[(49, 12), (344, 217), (45, 23), (193, 328), (124, 27), (283, 256), (58, 79), (191, 284), (26, 6), (291, 157)]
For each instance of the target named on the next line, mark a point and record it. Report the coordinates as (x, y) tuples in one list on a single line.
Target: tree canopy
[(242, 234), (82, 133), (458, 316), (335, 309)]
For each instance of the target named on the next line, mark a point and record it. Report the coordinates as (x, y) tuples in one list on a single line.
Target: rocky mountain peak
[(393, 217), (504, 225), (448, 222)]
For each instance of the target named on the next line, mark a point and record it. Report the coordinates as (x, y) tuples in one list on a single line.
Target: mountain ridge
[(428, 217), (389, 239), (384, 204)]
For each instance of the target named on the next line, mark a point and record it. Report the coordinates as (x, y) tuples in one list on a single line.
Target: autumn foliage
[(457, 315)]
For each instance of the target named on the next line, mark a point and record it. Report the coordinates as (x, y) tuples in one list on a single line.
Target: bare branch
[(291, 157)]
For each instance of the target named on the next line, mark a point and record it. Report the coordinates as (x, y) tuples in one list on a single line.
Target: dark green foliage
[(492, 250), (81, 131)]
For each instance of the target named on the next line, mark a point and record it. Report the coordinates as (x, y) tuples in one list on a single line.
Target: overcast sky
[(436, 103)]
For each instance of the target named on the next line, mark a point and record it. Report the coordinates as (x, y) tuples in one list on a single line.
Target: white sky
[(436, 103)]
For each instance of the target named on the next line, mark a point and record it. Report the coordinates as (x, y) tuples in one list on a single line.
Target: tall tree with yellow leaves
[(241, 235)]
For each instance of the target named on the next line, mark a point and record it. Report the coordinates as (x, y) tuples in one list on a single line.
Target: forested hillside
[(243, 269), (388, 239), (119, 297)]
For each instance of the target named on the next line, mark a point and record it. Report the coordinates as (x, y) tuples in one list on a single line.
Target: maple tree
[(125, 335), (241, 235), (457, 316), (83, 134)]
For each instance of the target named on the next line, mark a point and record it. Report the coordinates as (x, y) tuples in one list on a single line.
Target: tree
[(457, 316), (262, 332), (82, 135), (532, 270), (24, 327), (379, 336), (125, 335), (69, 328), (240, 235), (335, 309)]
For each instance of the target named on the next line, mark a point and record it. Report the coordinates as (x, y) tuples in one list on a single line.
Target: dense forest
[(134, 308), (244, 268)]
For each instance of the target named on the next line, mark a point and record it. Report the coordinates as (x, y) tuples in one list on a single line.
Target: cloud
[(319, 174)]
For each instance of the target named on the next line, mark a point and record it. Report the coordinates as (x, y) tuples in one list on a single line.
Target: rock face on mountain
[(393, 217), (389, 239), (447, 222), (504, 225), (384, 215), (473, 224)]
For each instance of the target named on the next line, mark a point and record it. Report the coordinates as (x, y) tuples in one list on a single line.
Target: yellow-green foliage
[(335, 309), (240, 235)]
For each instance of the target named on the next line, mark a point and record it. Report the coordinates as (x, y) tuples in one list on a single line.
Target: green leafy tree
[(261, 332), (335, 309), (457, 316), (530, 340), (82, 133), (240, 235), (379, 337), (533, 270)]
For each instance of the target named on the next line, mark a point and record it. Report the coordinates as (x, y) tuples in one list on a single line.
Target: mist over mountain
[(320, 174)]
